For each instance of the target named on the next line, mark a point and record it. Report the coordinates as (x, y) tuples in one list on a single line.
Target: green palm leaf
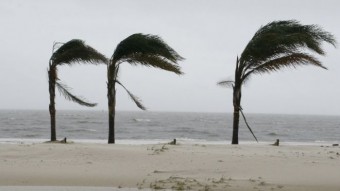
[(65, 91), (288, 61), (153, 61), (147, 50), (284, 37), (226, 83), (133, 97), (76, 51), (279, 44)]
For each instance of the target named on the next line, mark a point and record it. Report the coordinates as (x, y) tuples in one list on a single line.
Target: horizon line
[(172, 111)]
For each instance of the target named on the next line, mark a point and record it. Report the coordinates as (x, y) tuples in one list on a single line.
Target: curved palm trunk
[(51, 82), (111, 95)]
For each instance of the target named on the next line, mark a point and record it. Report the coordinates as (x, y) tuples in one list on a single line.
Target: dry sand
[(177, 167)]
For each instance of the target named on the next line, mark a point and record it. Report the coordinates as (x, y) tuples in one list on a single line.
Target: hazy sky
[(209, 34)]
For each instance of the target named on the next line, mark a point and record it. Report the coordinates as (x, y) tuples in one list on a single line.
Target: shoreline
[(184, 166), (183, 141)]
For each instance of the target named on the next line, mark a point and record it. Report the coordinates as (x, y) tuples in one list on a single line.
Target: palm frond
[(145, 44), (56, 45), (246, 122), (65, 91), (153, 61), (148, 50), (226, 83), (76, 51), (284, 37), (287, 61), (133, 97)]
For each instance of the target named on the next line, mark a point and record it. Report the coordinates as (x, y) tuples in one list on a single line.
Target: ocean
[(153, 127)]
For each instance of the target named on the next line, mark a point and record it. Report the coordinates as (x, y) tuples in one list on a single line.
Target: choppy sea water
[(150, 127)]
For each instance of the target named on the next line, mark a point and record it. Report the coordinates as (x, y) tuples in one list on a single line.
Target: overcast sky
[(209, 34)]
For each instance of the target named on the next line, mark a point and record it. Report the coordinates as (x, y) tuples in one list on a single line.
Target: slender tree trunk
[(236, 102), (52, 78), (111, 95), (236, 120), (235, 125)]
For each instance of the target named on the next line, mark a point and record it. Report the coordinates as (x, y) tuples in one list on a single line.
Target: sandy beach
[(175, 167)]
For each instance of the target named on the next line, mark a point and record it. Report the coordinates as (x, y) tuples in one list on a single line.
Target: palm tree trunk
[(111, 95), (236, 120), (52, 78), (112, 114), (236, 102), (235, 126)]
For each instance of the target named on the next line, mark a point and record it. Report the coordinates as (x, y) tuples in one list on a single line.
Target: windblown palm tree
[(146, 50), (74, 51), (275, 46)]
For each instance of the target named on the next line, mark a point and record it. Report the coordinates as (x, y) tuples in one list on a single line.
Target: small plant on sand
[(206, 188), (179, 186), (221, 180), (156, 186)]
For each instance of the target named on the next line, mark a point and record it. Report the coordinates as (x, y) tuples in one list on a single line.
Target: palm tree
[(275, 46), (74, 51), (146, 50)]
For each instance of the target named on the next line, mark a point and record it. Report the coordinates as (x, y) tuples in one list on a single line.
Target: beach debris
[(159, 150), (64, 140), (221, 180), (252, 180), (172, 142), (262, 183), (279, 186), (277, 142)]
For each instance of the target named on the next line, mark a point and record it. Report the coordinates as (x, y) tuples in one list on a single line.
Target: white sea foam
[(142, 120)]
